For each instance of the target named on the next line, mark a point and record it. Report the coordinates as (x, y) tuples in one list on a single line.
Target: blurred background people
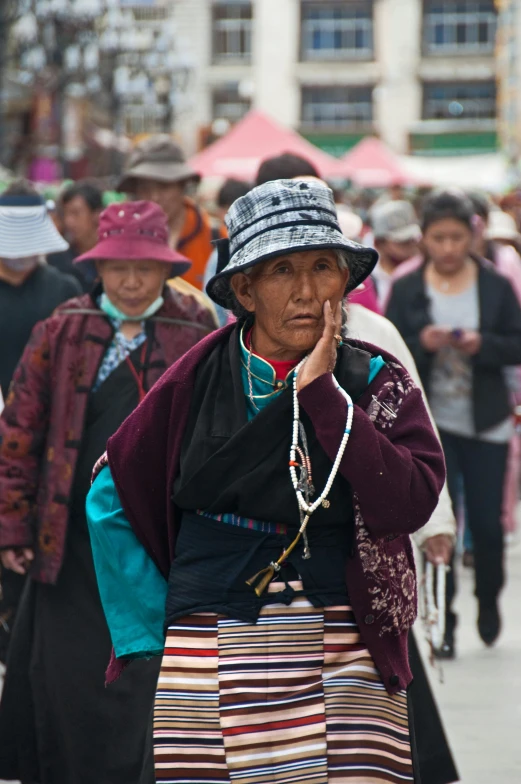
[(83, 372), (436, 540), (29, 288), (462, 324), (230, 191), (157, 171), (29, 291), (351, 226), (396, 238), (504, 257), (285, 167), (490, 226), (79, 207), (502, 229), (511, 204)]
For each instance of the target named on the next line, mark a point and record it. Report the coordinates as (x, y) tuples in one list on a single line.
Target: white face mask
[(111, 310), (24, 264)]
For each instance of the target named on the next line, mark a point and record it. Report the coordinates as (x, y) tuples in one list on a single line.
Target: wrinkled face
[(447, 243), (169, 195), (132, 286), (79, 221), (397, 252), (287, 295)]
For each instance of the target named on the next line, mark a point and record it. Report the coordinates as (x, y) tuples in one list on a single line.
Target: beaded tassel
[(262, 579)]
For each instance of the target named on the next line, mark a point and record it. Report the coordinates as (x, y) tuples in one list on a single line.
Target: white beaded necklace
[(265, 575), (306, 508)]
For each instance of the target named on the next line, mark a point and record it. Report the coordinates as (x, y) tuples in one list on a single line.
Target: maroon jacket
[(42, 424), (393, 462)]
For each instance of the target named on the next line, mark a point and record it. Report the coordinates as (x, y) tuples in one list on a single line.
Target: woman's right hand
[(438, 549), (17, 559), (434, 338), (323, 357)]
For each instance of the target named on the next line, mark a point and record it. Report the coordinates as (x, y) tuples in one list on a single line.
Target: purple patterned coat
[(42, 424), (393, 462)]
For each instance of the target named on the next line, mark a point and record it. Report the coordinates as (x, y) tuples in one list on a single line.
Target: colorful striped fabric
[(294, 698), (246, 522)]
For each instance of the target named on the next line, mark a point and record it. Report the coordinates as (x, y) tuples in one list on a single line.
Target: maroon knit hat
[(135, 230)]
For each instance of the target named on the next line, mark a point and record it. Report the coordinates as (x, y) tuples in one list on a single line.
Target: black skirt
[(59, 724), (435, 761)]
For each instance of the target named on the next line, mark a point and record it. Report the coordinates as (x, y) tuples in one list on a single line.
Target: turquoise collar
[(265, 385)]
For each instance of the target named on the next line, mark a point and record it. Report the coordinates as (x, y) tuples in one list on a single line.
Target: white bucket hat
[(26, 228), (283, 216)]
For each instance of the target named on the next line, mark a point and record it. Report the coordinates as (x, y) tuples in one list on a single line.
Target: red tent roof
[(370, 164), (250, 141)]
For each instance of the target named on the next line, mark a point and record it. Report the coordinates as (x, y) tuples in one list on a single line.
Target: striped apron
[(293, 698)]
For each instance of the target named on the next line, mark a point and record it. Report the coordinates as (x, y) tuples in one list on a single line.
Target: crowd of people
[(254, 620)]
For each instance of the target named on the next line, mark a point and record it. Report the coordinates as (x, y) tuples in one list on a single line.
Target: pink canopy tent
[(250, 141), (370, 164)]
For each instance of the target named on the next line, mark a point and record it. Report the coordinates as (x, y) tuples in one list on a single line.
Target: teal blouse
[(266, 386), (133, 592)]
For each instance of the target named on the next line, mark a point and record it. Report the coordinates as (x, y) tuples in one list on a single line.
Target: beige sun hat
[(156, 158), (502, 226)]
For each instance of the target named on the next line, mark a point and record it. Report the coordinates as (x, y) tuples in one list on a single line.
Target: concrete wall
[(398, 95), (275, 55)]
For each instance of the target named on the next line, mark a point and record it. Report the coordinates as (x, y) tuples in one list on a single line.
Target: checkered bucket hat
[(279, 217)]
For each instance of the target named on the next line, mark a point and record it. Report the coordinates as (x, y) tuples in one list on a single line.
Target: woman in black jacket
[(462, 323)]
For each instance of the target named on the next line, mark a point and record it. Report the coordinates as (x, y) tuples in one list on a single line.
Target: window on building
[(140, 119), (465, 101), (153, 13), (228, 104), (337, 30), (337, 107), (232, 31), (459, 27)]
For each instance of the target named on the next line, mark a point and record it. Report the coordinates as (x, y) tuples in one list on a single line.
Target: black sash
[(107, 409), (231, 465)]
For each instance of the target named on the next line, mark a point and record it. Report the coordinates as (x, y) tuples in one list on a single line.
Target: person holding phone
[(462, 322)]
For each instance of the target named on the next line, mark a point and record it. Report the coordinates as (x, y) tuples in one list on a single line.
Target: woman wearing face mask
[(462, 323), (85, 369)]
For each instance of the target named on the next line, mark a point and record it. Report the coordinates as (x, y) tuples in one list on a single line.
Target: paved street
[(481, 696)]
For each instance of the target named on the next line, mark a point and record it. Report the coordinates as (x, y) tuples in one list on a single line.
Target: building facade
[(419, 73), (509, 81)]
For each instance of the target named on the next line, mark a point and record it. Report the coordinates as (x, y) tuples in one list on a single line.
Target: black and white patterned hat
[(283, 216)]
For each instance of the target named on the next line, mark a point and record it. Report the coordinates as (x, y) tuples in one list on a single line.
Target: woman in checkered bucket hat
[(271, 482)]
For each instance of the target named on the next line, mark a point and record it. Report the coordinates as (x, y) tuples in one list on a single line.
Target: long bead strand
[(308, 509)]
